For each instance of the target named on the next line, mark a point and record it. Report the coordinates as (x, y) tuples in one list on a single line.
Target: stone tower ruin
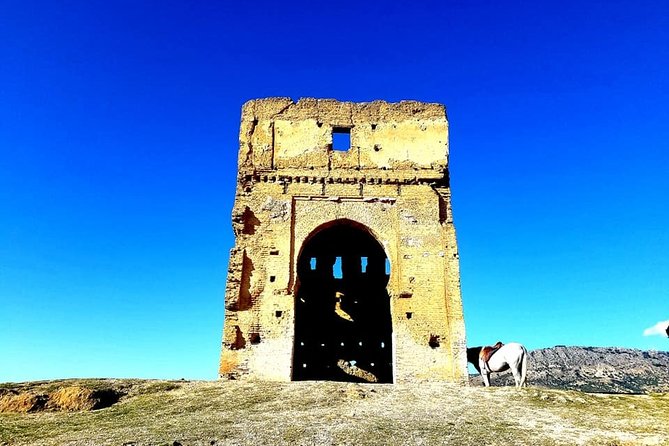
[(345, 265)]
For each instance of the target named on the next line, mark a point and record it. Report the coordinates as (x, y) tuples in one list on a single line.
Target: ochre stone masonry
[(345, 264)]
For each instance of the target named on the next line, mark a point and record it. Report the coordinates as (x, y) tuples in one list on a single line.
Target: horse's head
[(473, 356)]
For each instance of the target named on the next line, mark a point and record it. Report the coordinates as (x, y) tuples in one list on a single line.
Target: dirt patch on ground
[(76, 395), (67, 399), (22, 402), (75, 398)]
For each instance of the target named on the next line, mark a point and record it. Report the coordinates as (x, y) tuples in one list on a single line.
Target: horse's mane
[(473, 356)]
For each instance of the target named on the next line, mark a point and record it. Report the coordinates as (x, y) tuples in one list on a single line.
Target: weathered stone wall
[(393, 180)]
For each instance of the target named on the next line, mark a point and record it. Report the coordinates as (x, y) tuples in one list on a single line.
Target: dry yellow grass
[(326, 413)]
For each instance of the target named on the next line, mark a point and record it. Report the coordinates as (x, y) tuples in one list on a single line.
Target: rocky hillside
[(595, 369)]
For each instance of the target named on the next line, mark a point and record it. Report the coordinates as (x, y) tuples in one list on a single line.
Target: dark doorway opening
[(343, 327)]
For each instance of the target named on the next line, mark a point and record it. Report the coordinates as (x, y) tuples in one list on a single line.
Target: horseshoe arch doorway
[(343, 326)]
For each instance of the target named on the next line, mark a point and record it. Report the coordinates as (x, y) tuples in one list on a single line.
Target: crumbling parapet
[(307, 295)]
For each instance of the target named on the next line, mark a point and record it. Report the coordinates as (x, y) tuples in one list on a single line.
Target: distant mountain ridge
[(594, 369)]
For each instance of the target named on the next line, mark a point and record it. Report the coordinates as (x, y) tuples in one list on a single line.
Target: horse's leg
[(519, 368), (515, 370), (485, 373), (523, 369)]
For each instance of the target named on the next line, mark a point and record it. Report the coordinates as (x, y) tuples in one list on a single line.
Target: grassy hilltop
[(324, 413)]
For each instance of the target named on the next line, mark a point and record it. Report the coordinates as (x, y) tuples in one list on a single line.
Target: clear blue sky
[(118, 144)]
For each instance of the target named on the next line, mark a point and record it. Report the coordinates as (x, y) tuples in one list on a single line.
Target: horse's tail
[(523, 368)]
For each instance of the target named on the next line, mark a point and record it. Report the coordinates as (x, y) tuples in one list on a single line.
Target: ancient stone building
[(345, 264)]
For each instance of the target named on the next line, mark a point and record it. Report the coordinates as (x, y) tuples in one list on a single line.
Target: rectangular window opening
[(336, 269), (387, 267), (274, 252), (272, 278), (312, 263), (341, 139), (363, 264)]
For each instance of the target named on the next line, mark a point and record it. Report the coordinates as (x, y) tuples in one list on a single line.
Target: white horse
[(509, 356)]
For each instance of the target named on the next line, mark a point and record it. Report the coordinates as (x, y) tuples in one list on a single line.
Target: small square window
[(341, 139)]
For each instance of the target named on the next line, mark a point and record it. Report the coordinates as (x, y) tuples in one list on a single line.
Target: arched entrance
[(343, 327)]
